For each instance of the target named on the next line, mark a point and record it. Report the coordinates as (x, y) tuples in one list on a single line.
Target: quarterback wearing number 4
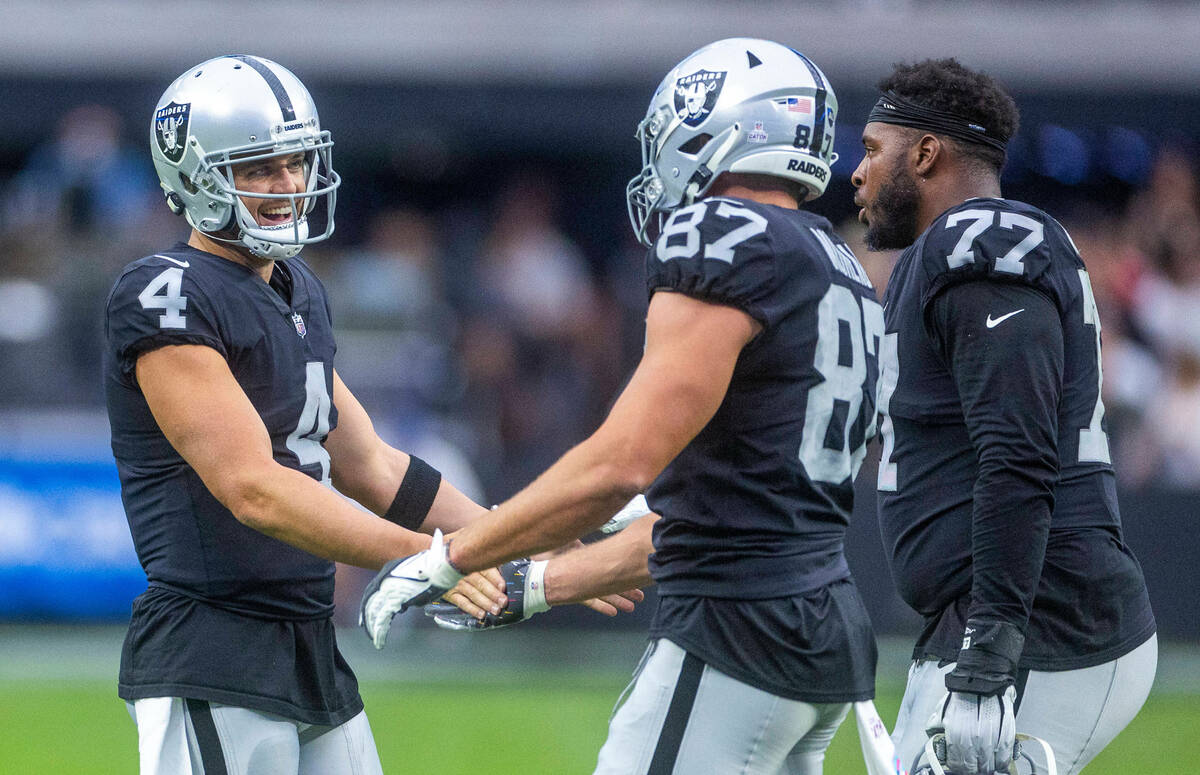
[(745, 423), (997, 498), (229, 423)]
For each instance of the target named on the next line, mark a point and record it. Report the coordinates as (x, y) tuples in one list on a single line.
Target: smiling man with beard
[(997, 499)]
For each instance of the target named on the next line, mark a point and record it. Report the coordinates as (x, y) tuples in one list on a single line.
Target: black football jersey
[(748, 553), (756, 506), (230, 615), (996, 490), (281, 354)]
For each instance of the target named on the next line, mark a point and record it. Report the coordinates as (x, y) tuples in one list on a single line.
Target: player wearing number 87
[(229, 422), (745, 423), (996, 491)]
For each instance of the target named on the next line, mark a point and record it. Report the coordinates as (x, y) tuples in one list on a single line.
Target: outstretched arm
[(692, 347), (610, 566), (370, 471), (207, 417), (210, 421)]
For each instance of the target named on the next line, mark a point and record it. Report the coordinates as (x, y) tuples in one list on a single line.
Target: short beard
[(894, 222)]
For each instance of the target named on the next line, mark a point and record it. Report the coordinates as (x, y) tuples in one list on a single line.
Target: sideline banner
[(65, 550)]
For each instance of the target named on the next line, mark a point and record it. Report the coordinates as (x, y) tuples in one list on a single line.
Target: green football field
[(529, 716), (547, 725)]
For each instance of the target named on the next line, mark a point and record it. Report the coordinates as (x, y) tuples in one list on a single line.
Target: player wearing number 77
[(997, 498), (229, 423), (744, 423)]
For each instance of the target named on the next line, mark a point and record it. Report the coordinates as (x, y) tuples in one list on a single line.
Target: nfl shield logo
[(171, 129), (299, 321), (696, 95)]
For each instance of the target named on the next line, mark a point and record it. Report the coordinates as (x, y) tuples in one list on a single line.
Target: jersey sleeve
[(153, 305), (992, 240), (1003, 345), (718, 251)]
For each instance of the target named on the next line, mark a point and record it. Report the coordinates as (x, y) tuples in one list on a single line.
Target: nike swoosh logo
[(175, 261), (993, 322)]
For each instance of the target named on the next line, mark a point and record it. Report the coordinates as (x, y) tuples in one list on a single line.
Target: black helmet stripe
[(818, 135), (812, 69), (281, 95)]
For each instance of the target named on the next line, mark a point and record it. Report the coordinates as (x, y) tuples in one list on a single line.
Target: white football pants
[(195, 737), (685, 717), (1078, 712)]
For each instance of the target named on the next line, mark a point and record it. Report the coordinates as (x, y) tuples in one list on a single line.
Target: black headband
[(894, 109)]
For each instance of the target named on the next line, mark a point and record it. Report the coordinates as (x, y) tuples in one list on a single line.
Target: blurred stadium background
[(488, 294)]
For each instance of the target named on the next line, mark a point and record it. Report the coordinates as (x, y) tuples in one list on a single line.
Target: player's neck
[(766, 196), (260, 266), (940, 193)]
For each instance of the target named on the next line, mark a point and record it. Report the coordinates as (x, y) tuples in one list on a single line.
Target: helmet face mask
[(238, 110), (738, 105), (219, 167)]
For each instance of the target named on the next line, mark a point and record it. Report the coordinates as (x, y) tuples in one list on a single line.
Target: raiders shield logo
[(696, 94), (171, 129)]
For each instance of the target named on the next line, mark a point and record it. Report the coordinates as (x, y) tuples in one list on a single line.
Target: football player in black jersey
[(229, 422), (745, 423), (997, 500)]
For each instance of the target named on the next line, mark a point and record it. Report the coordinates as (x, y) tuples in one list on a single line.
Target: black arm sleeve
[(1009, 372)]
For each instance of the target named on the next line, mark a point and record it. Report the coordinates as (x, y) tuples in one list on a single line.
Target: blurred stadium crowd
[(488, 328)]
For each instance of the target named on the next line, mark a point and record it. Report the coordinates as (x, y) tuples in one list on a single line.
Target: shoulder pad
[(996, 239), (158, 298), (718, 250), (717, 228)]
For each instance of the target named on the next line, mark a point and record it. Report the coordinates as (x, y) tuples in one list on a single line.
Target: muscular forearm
[(573, 497), (451, 510), (373, 481), (603, 568), (692, 348), (371, 471), (291, 507), (207, 417)]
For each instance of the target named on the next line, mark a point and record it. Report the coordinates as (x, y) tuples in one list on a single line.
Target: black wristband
[(415, 495), (987, 663)]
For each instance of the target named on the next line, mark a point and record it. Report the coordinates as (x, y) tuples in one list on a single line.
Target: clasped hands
[(497, 597)]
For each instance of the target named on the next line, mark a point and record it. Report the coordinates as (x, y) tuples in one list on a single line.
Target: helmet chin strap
[(234, 234), (256, 238), (270, 250), (254, 241), (703, 175), (259, 248)]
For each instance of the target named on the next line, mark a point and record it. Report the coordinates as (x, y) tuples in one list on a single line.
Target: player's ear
[(925, 154)]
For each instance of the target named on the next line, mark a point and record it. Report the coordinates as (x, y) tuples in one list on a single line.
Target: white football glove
[(526, 589), (631, 512), (980, 730), (408, 581), (932, 760)]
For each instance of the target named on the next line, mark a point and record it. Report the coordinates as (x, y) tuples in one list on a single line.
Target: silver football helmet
[(232, 110), (737, 105)]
